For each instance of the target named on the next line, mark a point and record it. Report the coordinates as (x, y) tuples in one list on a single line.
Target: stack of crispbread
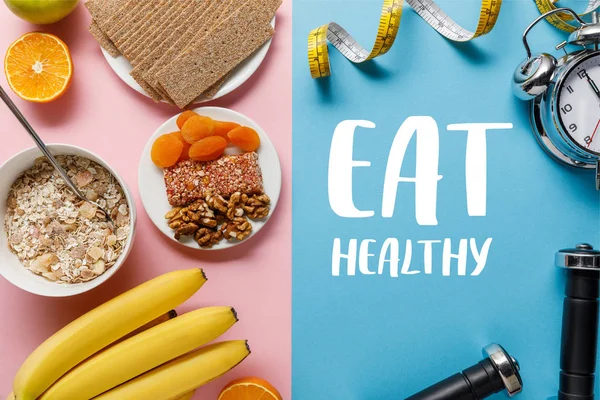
[(181, 49)]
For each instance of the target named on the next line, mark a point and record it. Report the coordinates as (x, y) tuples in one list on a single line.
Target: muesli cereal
[(54, 233)]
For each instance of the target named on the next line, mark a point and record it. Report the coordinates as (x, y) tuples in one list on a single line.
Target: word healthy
[(359, 257), (389, 257)]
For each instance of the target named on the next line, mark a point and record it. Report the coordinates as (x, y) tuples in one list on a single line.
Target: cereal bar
[(188, 180)]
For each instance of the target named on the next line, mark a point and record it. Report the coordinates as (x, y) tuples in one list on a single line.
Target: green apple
[(41, 11)]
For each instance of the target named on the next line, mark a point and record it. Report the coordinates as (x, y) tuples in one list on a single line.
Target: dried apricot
[(183, 117), (197, 128), (245, 138), (166, 150), (223, 128), (208, 149), (186, 146)]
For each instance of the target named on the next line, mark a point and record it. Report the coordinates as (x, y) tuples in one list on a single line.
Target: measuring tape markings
[(430, 12), (389, 24), (318, 52), (561, 21)]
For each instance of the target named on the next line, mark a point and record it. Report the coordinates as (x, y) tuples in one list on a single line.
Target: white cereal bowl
[(10, 266)]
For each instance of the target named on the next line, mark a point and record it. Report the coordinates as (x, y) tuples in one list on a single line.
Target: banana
[(141, 353), (12, 397), (187, 396), (182, 374), (102, 326), (163, 318)]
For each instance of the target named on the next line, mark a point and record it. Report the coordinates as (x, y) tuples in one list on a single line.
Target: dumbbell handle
[(474, 383), (579, 341)]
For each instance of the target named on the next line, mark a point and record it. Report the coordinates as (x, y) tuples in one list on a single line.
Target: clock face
[(579, 104)]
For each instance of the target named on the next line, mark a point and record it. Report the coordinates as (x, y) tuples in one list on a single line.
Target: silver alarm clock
[(565, 95)]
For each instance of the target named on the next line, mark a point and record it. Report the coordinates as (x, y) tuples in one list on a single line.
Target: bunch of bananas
[(131, 348)]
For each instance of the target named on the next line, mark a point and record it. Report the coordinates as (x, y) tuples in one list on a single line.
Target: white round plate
[(152, 185), (239, 75)]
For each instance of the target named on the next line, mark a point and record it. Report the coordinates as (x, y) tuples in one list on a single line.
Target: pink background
[(102, 114)]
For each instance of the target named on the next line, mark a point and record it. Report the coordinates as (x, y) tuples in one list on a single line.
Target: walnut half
[(235, 204), (208, 237), (238, 229), (186, 229), (175, 217), (257, 206), (216, 202), (200, 213)]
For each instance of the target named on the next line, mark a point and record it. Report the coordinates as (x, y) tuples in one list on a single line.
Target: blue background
[(376, 337)]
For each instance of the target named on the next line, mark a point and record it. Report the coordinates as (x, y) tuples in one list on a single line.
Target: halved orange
[(38, 67), (249, 388)]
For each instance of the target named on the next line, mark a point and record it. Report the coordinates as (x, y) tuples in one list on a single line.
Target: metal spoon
[(49, 156)]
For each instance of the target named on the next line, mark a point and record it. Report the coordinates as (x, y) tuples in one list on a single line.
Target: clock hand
[(593, 134), (594, 86)]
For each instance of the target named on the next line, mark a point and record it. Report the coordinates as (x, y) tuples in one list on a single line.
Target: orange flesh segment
[(38, 67), (249, 389)]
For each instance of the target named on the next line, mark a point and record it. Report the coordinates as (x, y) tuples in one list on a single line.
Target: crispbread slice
[(151, 29), (154, 51), (218, 52), (103, 40), (151, 55), (155, 95), (136, 20), (120, 15), (159, 33), (153, 18), (164, 95), (146, 48), (196, 30), (212, 91), (207, 17), (102, 10)]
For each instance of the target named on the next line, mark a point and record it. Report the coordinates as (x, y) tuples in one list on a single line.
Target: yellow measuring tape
[(389, 23), (561, 21)]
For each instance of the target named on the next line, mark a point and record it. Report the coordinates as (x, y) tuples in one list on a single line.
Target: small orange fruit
[(249, 388), (223, 128), (197, 128), (38, 67), (208, 149), (183, 117), (166, 150), (245, 138), (185, 153)]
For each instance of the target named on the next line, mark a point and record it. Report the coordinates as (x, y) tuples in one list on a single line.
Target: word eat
[(342, 163)]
